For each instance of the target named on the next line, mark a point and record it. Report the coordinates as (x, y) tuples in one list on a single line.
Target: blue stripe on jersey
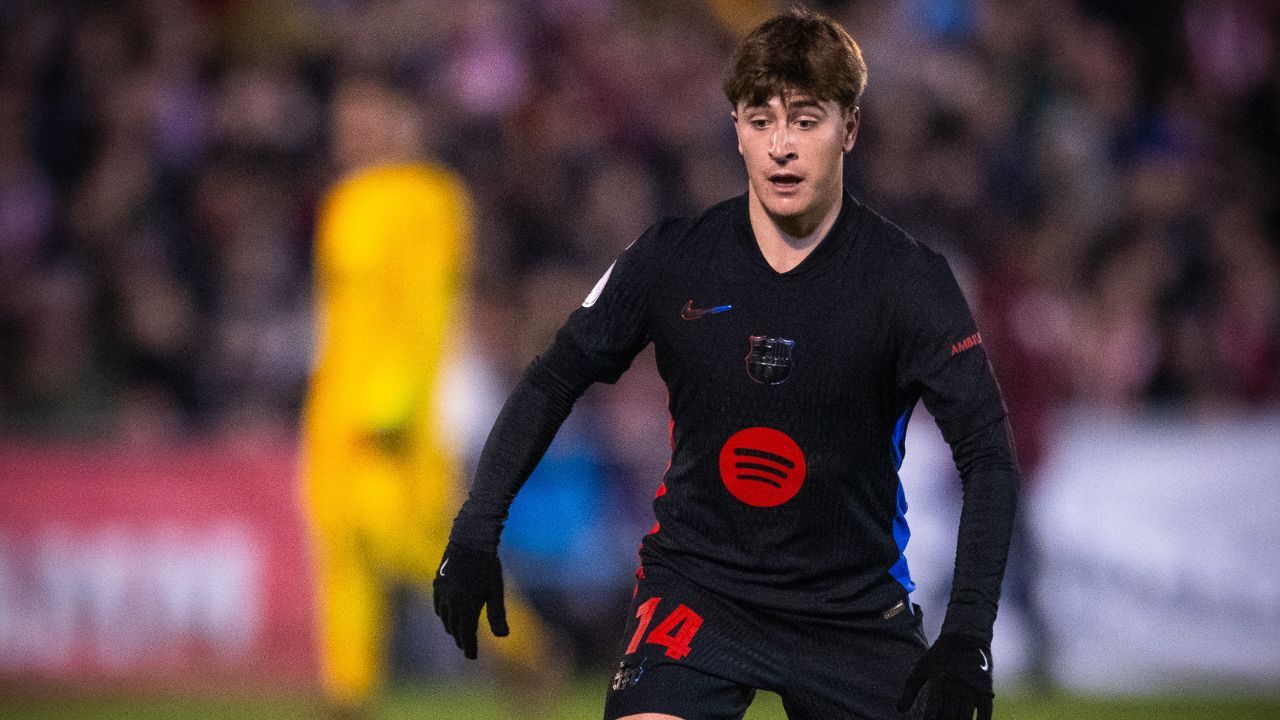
[(901, 532), (900, 440)]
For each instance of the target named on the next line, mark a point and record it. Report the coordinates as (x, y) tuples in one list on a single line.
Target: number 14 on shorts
[(674, 632)]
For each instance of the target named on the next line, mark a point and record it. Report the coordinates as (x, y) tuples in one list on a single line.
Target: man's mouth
[(785, 181)]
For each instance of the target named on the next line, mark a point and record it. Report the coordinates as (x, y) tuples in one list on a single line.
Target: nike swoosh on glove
[(957, 670), (467, 581)]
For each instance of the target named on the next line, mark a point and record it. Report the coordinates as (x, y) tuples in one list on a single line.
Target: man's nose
[(782, 145)]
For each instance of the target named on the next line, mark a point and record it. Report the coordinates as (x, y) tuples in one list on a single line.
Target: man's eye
[(759, 124), (806, 124)]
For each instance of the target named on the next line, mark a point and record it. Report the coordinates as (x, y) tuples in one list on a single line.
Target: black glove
[(958, 671), (467, 581)]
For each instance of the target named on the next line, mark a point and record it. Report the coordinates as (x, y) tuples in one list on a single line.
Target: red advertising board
[(180, 565)]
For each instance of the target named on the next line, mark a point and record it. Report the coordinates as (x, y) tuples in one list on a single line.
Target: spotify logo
[(762, 467)]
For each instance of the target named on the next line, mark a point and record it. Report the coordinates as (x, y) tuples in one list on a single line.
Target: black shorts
[(690, 653)]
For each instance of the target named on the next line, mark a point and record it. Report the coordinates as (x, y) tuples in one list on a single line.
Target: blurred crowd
[(1102, 176)]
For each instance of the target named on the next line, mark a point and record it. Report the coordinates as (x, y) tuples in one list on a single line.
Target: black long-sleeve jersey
[(790, 395)]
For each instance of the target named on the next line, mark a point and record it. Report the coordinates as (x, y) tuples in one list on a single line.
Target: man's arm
[(597, 344), (958, 665), (520, 436), (470, 574), (943, 360), (989, 474)]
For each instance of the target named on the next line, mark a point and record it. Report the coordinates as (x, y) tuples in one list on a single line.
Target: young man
[(795, 330)]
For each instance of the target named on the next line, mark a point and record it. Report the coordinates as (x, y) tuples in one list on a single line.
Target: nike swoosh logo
[(441, 571), (689, 312), (986, 664)]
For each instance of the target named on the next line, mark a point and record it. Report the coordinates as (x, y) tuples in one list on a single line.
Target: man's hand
[(958, 671), (467, 581)]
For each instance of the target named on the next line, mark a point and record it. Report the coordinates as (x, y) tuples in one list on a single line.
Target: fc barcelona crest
[(769, 360)]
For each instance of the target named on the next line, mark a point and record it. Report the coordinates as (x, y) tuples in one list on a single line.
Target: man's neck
[(786, 241)]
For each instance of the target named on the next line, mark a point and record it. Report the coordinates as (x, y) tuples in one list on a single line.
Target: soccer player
[(795, 330), (380, 480)]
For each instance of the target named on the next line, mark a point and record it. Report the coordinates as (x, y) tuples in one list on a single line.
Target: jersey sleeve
[(603, 336), (596, 344), (940, 353), (942, 361)]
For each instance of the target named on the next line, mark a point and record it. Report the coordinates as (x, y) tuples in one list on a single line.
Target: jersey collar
[(837, 236)]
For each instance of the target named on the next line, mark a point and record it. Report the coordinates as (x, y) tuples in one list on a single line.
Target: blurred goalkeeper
[(381, 482), (796, 330)]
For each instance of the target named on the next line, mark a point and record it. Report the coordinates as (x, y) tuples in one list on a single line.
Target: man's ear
[(734, 114), (851, 120)]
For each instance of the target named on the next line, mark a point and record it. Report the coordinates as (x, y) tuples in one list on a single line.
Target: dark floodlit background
[(1101, 175)]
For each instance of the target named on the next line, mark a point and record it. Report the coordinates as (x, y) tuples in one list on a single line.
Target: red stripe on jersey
[(662, 490)]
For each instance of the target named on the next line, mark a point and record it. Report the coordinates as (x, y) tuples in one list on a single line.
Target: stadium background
[(1101, 175)]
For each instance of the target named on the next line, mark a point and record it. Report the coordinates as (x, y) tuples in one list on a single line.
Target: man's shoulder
[(673, 231), (901, 253), (669, 230), (726, 211), (886, 236)]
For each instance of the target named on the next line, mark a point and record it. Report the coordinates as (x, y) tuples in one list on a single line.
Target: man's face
[(373, 125), (794, 155)]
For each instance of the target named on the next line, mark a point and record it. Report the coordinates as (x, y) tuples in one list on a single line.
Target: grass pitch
[(584, 700)]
